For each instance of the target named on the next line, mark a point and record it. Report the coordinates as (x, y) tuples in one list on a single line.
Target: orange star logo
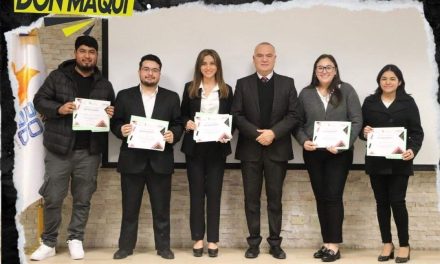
[(24, 76)]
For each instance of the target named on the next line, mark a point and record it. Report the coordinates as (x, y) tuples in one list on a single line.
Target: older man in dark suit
[(265, 112), (140, 167)]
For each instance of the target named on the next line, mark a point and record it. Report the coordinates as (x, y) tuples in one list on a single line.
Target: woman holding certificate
[(206, 95), (391, 109), (331, 120)]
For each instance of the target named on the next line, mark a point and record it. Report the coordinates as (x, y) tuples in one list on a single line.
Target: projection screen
[(363, 37)]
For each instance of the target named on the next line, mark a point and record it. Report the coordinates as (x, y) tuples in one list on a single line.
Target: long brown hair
[(333, 89), (198, 77)]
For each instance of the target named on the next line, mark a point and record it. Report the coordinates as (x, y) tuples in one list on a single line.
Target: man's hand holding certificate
[(388, 142), (335, 134), (91, 115), (147, 133), (212, 127)]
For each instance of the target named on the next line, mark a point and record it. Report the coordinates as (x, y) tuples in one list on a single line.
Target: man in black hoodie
[(70, 155)]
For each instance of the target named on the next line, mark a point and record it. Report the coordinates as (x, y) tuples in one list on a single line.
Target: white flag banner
[(27, 73)]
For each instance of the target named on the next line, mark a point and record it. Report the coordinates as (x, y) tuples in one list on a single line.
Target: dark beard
[(85, 69), (149, 84)]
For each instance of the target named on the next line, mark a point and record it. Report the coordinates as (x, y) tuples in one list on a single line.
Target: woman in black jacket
[(207, 93), (391, 106)]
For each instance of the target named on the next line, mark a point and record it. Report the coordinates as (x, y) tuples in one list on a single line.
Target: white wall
[(363, 38)]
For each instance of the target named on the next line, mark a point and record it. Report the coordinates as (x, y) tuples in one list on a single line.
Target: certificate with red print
[(212, 127), (388, 142), (332, 134), (147, 133)]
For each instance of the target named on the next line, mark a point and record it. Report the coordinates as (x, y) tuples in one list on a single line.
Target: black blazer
[(188, 110), (129, 102), (284, 118), (403, 112)]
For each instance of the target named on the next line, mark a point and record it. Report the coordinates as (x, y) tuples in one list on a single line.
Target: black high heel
[(382, 258), (404, 259)]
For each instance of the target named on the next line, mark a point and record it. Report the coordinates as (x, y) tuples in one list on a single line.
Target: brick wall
[(57, 48), (300, 222)]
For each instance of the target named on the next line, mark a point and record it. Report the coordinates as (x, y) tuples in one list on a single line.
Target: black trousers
[(273, 172), (205, 176), (159, 189), (328, 174), (390, 193)]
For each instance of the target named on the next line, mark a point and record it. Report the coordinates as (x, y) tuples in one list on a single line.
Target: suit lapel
[(277, 95), (253, 86), (222, 104), (157, 106), (138, 101), (198, 102)]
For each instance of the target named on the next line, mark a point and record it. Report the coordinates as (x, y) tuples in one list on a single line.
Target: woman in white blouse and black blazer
[(207, 93)]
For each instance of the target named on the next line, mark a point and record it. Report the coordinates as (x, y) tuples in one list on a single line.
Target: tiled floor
[(232, 256)]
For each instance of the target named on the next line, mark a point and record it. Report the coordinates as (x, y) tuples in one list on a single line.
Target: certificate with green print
[(91, 115)]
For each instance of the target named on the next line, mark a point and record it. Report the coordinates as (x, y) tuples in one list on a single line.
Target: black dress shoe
[(197, 252), (122, 253), (252, 252), (166, 253), (382, 258), (213, 252), (405, 259), (320, 253), (277, 252), (330, 256)]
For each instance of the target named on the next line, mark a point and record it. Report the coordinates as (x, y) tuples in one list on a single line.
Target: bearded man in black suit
[(140, 167)]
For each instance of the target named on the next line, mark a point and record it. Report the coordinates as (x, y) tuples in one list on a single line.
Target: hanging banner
[(27, 71)]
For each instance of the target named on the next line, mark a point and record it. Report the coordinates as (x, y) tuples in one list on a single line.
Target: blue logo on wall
[(29, 124)]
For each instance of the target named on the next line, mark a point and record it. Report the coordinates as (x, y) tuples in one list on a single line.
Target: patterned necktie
[(264, 79)]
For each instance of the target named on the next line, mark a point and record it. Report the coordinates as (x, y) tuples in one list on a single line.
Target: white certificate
[(212, 127), (388, 142), (332, 134), (91, 115), (147, 133)]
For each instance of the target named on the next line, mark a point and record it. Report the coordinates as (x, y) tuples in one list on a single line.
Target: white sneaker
[(43, 252), (76, 249)]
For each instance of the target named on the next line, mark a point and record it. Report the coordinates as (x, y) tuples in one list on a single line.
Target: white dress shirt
[(325, 99), (210, 104), (148, 100), (269, 76)]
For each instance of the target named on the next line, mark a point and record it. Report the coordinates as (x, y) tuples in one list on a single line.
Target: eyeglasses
[(327, 68), (153, 70)]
